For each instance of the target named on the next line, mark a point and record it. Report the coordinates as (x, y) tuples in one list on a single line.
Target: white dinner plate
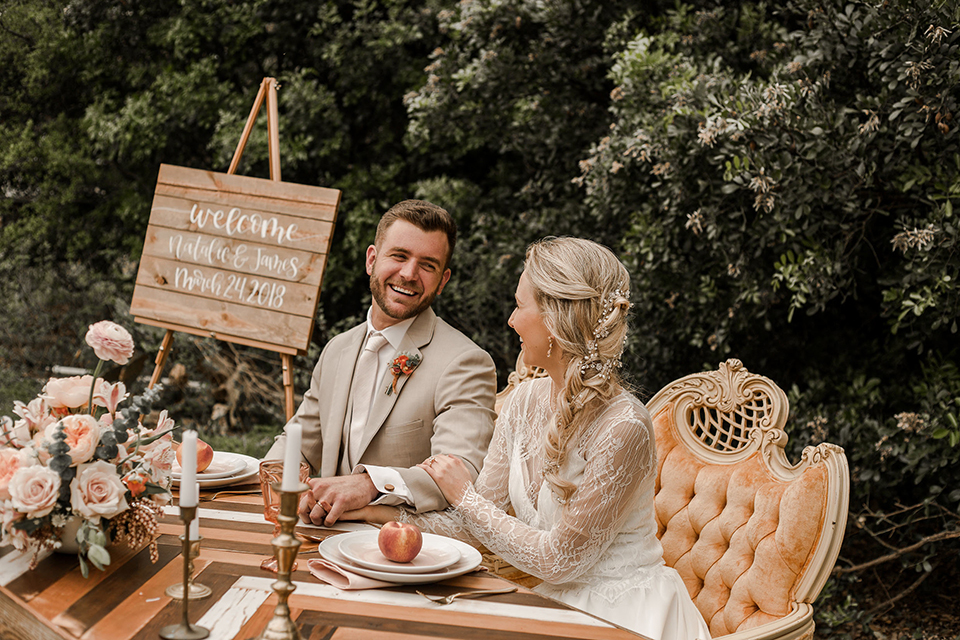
[(362, 548), (469, 560), (250, 470), (223, 465)]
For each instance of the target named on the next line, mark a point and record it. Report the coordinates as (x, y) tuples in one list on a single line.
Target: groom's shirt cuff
[(393, 490)]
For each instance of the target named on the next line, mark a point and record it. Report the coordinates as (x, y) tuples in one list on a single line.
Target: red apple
[(400, 541), (204, 455)]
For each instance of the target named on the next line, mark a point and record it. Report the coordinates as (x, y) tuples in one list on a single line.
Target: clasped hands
[(329, 498), (346, 497)]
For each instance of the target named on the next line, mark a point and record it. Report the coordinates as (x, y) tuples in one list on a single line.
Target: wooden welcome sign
[(236, 258)]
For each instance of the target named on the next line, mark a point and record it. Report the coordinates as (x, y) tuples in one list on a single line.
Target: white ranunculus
[(110, 341)]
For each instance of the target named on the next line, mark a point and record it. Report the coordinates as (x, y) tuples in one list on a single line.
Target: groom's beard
[(379, 290)]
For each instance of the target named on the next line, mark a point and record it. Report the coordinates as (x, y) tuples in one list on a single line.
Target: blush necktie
[(362, 394)]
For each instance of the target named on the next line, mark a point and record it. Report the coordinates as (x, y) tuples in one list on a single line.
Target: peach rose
[(68, 393), (97, 491), (110, 341), (38, 448), (83, 436), (34, 490), (10, 461)]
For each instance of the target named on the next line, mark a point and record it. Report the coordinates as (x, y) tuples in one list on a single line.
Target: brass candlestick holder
[(195, 590), (185, 630), (285, 547)]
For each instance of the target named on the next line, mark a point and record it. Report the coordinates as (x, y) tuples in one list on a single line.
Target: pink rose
[(34, 490), (83, 436), (68, 393), (10, 461), (97, 491), (110, 341)]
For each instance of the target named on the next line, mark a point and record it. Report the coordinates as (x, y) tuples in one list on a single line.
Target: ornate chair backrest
[(753, 537)]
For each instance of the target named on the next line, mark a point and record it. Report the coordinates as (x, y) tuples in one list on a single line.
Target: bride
[(573, 454)]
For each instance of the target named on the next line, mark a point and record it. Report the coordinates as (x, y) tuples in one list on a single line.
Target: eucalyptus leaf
[(98, 556)]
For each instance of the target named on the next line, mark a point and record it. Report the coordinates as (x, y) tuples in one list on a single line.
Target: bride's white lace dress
[(598, 552)]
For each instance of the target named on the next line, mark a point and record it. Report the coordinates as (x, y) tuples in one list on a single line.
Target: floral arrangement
[(73, 458), (402, 365)]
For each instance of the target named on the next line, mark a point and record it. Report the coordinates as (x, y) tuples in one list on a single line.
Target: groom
[(399, 388)]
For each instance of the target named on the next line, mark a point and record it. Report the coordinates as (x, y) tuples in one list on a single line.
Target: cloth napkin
[(341, 578)]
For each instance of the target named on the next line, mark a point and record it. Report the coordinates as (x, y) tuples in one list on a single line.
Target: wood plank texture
[(18, 621), (223, 319), (245, 185), (127, 602), (208, 334)]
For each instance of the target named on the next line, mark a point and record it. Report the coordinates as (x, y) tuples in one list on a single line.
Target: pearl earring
[(550, 348)]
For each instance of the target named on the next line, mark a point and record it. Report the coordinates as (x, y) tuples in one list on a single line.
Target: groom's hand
[(328, 498)]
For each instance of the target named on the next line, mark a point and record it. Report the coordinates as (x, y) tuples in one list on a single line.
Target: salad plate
[(469, 560), (362, 548), (237, 468)]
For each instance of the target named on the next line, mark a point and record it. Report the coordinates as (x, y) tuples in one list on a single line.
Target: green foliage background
[(779, 177)]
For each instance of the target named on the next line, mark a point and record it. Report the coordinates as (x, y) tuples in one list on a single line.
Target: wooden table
[(54, 601)]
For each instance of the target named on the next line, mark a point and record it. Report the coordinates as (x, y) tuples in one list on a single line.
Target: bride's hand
[(450, 474)]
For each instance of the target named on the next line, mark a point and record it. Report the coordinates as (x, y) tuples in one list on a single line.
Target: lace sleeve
[(619, 456), (492, 484)]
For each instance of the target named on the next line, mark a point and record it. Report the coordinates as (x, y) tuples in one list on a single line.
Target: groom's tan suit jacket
[(444, 406)]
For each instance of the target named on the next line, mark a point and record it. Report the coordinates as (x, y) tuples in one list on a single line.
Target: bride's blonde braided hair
[(583, 293)]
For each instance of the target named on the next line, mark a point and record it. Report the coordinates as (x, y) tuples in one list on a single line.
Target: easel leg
[(161, 358), (288, 382)]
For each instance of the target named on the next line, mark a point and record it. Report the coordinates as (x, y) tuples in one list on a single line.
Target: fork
[(466, 594)]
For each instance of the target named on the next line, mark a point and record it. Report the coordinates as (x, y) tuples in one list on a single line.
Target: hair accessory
[(608, 305), (603, 366)]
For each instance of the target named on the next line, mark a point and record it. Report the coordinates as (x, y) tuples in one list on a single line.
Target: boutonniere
[(402, 365)]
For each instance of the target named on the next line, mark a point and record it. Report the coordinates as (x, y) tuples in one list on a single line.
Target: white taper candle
[(291, 459), (188, 470)]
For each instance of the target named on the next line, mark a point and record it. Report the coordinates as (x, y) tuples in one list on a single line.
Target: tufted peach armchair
[(753, 537)]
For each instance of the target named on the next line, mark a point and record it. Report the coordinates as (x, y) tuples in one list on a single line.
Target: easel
[(268, 93)]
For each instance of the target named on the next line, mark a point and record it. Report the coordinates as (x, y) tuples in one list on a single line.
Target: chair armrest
[(796, 625)]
